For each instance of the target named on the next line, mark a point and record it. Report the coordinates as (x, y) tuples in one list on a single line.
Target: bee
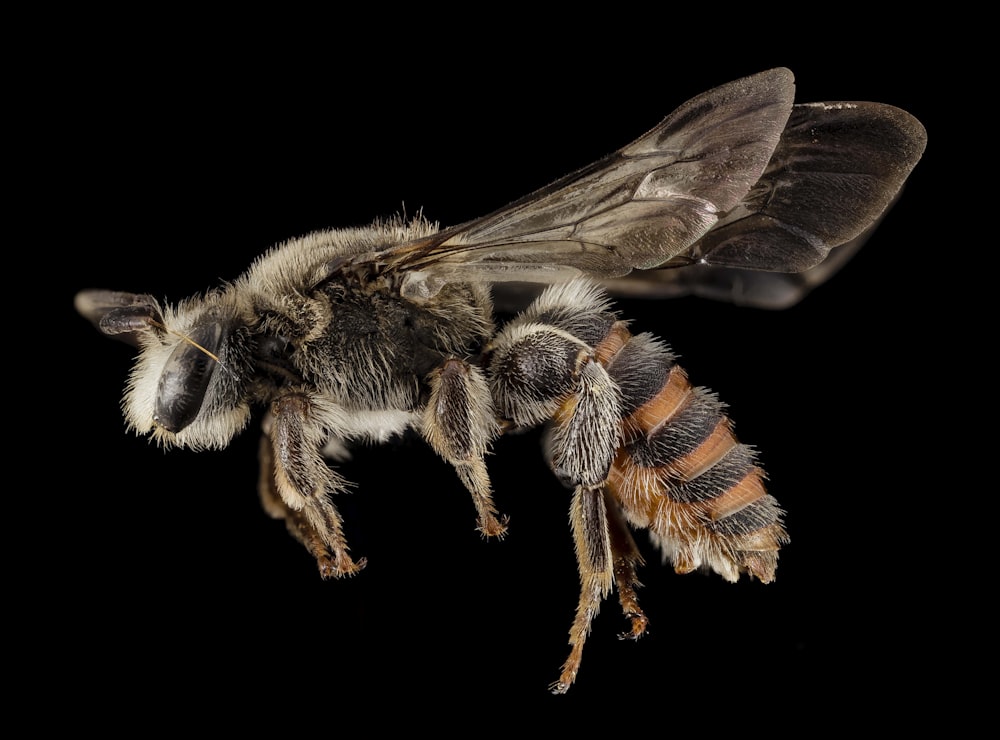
[(358, 335)]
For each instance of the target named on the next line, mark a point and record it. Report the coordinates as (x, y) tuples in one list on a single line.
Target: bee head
[(188, 385)]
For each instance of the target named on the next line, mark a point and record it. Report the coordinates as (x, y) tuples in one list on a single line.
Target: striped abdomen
[(681, 472), (637, 444), (623, 417)]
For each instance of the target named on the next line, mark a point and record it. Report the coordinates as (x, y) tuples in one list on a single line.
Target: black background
[(179, 160)]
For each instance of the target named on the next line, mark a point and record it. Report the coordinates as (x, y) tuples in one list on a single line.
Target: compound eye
[(186, 376)]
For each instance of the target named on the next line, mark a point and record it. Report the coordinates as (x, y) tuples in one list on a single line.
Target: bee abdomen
[(680, 470), (624, 416)]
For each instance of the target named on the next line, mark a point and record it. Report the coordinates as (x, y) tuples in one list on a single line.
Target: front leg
[(296, 483), (459, 423)]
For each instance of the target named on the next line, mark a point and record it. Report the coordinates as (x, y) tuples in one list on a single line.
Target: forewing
[(735, 190), (837, 169), (637, 208)]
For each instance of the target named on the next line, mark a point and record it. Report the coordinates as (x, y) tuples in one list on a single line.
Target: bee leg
[(589, 521), (626, 560), (459, 423), (304, 483), (295, 521), (581, 444)]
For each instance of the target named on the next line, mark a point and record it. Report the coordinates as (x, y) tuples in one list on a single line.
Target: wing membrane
[(636, 208), (836, 170), (736, 179)]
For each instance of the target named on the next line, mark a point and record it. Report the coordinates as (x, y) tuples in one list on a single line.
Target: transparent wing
[(636, 208), (736, 179), (836, 171)]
